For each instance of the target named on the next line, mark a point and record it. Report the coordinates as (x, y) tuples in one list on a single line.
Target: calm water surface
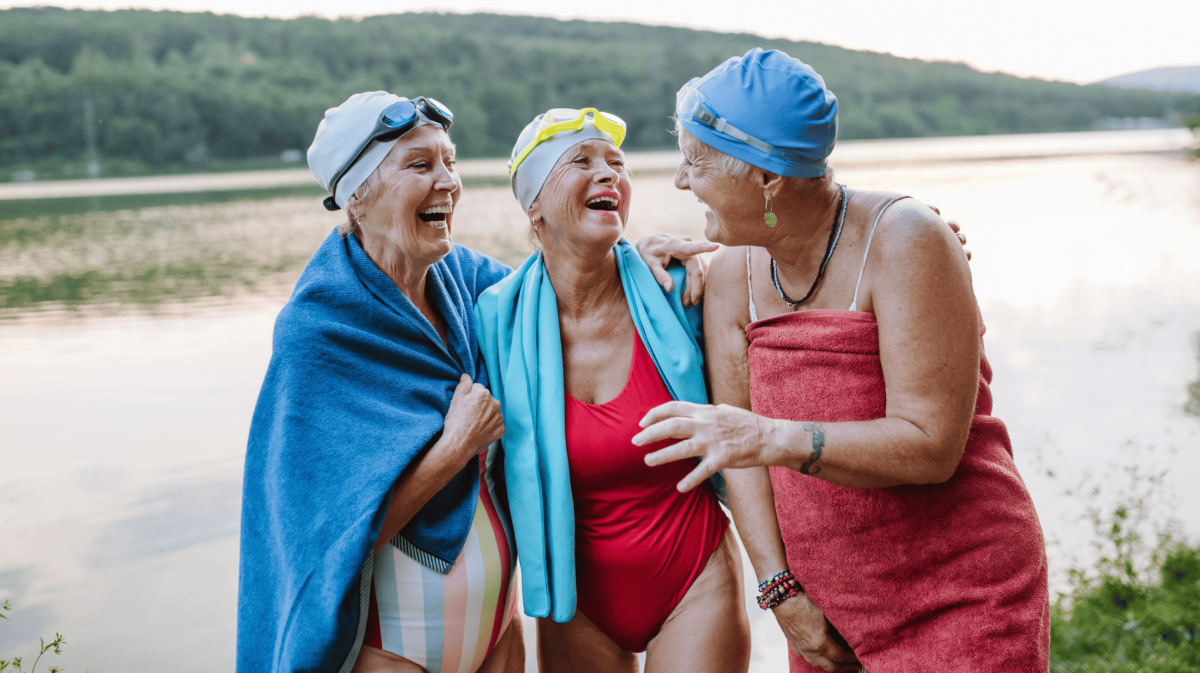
[(134, 333)]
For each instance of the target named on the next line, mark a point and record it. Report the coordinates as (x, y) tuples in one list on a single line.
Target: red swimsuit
[(639, 543)]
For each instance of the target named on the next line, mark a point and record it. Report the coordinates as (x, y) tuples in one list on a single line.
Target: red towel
[(917, 578)]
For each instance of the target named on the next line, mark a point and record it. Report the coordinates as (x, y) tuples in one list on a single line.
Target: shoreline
[(849, 154)]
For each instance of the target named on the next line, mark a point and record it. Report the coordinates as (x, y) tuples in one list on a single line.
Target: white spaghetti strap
[(750, 288), (867, 251)]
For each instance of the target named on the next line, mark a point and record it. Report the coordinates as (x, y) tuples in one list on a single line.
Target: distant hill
[(1180, 79), (189, 91)]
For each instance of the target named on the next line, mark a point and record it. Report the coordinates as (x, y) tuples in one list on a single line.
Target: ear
[(353, 207), (771, 183)]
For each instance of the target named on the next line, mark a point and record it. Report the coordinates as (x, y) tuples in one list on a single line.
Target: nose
[(606, 174), (444, 179), (681, 180)]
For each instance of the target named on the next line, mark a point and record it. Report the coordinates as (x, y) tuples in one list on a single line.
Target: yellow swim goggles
[(567, 119)]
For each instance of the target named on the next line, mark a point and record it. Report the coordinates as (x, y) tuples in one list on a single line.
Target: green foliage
[(1138, 610), (173, 89), (1118, 622), (15, 662)]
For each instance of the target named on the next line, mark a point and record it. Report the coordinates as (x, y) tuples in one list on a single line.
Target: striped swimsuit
[(448, 623)]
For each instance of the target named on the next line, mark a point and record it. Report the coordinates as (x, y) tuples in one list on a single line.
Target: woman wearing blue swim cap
[(875, 494)]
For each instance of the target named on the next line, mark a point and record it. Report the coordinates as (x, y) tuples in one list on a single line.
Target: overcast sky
[(1055, 39)]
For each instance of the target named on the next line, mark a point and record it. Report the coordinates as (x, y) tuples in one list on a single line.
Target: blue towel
[(358, 385), (517, 320)]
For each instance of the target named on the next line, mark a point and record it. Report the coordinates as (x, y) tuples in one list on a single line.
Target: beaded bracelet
[(777, 589)]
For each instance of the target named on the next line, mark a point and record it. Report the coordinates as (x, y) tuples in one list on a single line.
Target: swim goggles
[(567, 119), (690, 103), (395, 120)]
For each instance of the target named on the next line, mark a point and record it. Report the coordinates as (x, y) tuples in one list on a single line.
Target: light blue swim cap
[(773, 98)]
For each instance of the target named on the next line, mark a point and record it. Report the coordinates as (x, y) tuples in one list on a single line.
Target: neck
[(809, 219), (408, 274), (587, 285)]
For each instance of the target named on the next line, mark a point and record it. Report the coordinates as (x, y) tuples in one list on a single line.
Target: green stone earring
[(770, 218)]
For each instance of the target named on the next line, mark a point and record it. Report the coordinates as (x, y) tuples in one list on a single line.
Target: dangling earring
[(770, 218)]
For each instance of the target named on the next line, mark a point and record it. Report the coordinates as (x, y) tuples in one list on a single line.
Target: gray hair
[(351, 226), (736, 169)]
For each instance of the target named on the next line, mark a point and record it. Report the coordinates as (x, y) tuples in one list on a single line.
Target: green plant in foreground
[(15, 662), (1139, 608)]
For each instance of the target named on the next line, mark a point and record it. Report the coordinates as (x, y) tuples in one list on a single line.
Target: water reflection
[(113, 254)]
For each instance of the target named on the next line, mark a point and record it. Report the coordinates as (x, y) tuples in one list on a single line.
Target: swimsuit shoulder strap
[(867, 250), (750, 287)]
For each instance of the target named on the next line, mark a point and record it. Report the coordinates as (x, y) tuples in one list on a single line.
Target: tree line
[(170, 89)]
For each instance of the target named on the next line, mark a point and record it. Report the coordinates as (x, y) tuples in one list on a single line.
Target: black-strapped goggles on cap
[(395, 120)]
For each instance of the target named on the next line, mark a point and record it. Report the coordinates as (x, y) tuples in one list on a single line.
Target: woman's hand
[(657, 250), (721, 436), (474, 420), (810, 635)]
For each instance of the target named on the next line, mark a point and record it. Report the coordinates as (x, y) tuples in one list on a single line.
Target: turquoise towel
[(517, 324)]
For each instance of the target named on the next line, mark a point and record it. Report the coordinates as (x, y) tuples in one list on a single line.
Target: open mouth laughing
[(435, 214), (608, 201)]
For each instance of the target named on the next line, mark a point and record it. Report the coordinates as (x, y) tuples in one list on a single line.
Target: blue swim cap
[(781, 104)]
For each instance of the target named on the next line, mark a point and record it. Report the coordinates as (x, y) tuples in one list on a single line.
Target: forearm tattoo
[(818, 434)]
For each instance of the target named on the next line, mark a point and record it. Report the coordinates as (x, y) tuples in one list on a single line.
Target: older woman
[(370, 540), (580, 343), (374, 535), (877, 497)]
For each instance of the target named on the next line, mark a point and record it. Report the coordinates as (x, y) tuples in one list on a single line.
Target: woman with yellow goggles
[(580, 343)]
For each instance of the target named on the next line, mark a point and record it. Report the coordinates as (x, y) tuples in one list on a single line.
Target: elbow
[(941, 463)]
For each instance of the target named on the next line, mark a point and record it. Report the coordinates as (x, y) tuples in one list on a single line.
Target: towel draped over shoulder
[(358, 386), (517, 321)]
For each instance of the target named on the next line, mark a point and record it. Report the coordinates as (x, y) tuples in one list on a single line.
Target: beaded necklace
[(835, 234)]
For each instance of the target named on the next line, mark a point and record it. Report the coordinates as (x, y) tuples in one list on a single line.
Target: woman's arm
[(473, 422), (919, 287), (751, 497)]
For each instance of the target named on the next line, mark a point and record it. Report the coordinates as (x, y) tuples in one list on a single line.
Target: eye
[(581, 159), (418, 164), (451, 163)]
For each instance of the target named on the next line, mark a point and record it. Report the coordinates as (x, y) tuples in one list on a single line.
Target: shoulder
[(911, 236), (727, 266), (725, 289)]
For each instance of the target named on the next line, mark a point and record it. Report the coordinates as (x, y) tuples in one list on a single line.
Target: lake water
[(134, 333)]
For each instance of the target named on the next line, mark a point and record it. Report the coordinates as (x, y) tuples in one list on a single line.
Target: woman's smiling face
[(585, 199), (727, 201), (412, 207)]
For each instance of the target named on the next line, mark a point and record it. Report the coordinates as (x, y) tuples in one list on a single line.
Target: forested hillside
[(170, 90)]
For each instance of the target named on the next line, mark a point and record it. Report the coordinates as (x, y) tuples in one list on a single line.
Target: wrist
[(776, 589), (769, 436)]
